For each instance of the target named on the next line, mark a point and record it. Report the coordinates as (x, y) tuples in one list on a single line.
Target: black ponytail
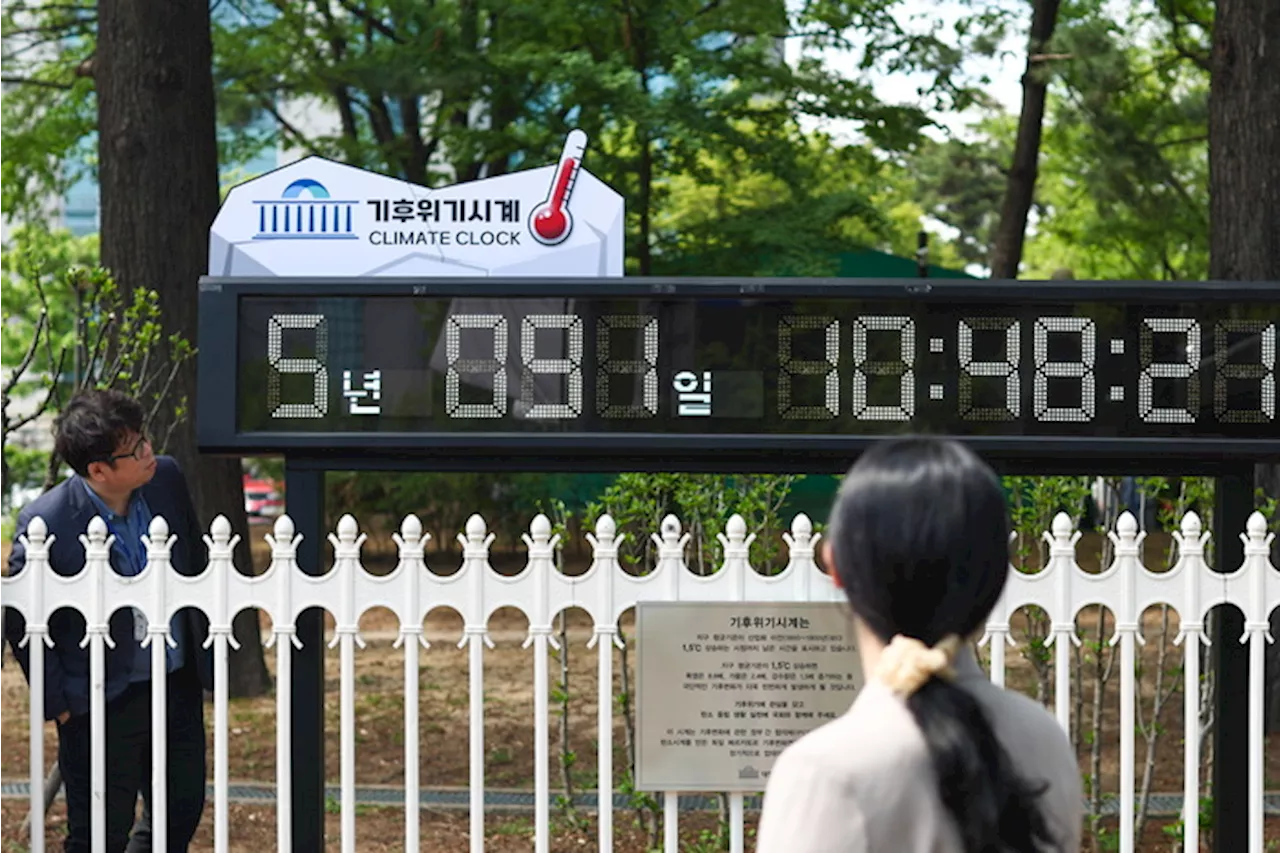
[(994, 809), (920, 534)]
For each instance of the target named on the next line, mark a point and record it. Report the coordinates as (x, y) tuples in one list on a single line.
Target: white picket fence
[(605, 591)]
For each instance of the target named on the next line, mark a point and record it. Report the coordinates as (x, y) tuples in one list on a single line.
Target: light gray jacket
[(864, 783)]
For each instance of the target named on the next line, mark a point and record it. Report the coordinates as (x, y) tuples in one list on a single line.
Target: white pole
[(36, 642), (412, 798), (541, 748), (98, 736), (737, 821), (604, 543), (411, 541), (36, 542), (997, 656), (671, 822), (346, 549), (97, 634), (284, 543), (1191, 742), (347, 689), (220, 732), (1257, 665), (221, 564), (1127, 736), (541, 565), (284, 732), (158, 544), (475, 553), (605, 635), (476, 687), (159, 737)]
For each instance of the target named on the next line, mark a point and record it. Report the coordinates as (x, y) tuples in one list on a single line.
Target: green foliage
[(53, 262), (25, 466), (1177, 496), (1177, 831), (48, 114), (1033, 503), (1125, 181), (734, 216), (670, 94), (703, 503), (68, 327), (961, 184), (1122, 186), (444, 501)]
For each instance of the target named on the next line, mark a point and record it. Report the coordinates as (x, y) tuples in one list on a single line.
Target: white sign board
[(722, 688), (316, 217)]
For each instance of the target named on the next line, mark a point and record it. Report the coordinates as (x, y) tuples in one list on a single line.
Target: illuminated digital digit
[(1188, 369), (900, 367), (789, 367), (494, 366), (1082, 369), (1264, 372), (1006, 369), (569, 367), (608, 366), (315, 366)]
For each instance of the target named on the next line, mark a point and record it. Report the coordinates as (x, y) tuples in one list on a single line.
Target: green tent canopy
[(868, 263)]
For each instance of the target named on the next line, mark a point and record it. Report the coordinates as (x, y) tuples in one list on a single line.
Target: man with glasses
[(118, 477)]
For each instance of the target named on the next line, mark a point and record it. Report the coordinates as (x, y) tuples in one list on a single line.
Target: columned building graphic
[(304, 211)]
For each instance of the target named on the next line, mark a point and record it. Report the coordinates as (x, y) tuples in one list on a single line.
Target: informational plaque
[(722, 688)]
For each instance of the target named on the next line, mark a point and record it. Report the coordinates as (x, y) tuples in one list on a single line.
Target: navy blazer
[(67, 510)]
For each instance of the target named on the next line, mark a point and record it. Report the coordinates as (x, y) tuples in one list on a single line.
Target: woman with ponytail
[(931, 757)]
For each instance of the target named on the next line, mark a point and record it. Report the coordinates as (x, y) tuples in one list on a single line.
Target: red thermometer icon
[(551, 221)]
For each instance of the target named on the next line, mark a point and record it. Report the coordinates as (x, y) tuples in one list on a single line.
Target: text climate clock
[(688, 373)]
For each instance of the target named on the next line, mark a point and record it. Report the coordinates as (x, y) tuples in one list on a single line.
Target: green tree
[(158, 172), (48, 112), (1125, 189), (734, 217), (1122, 175), (458, 90), (69, 326), (1020, 184)]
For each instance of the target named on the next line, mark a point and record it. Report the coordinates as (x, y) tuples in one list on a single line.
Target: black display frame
[(309, 455), (712, 452)]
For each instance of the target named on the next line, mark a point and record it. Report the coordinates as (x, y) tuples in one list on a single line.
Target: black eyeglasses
[(136, 453)]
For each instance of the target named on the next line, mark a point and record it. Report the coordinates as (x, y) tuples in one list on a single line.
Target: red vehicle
[(262, 498)]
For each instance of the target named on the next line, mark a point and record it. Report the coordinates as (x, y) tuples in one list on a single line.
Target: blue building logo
[(305, 211)]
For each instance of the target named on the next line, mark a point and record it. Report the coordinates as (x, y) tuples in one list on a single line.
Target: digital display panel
[(741, 374), (757, 365)]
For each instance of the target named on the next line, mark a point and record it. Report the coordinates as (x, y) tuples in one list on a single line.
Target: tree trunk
[(1006, 248), (1244, 185), (158, 173)]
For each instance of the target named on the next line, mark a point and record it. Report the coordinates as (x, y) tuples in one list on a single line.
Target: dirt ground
[(381, 830), (443, 756)]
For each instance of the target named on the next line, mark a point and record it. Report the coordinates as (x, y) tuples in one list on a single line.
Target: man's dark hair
[(92, 426)]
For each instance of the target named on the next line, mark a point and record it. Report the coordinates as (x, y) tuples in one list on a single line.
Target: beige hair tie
[(907, 663)]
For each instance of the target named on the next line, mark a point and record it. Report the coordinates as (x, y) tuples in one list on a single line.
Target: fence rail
[(605, 591)]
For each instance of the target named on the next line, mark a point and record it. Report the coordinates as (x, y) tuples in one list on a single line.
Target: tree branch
[(26, 359), (31, 81), (341, 93), (1184, 140), (363, 14), (18, 8), (286, 125), (162, 397), (59, 28), (48, 398), (1181, 47)]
